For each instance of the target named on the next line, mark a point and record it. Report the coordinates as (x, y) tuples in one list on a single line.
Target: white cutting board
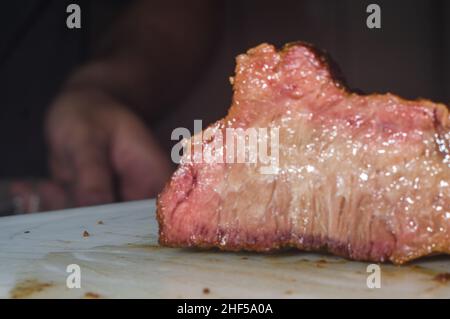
[(121, 258)]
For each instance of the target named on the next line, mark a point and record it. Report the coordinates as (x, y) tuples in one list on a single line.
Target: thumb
[(138, 160)]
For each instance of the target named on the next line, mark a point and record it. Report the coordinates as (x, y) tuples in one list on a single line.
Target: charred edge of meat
[(160, 214), (336, 74), (316, 244), (325, 61)]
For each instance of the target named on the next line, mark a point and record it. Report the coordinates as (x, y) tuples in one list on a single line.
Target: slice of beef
[(361, 176)]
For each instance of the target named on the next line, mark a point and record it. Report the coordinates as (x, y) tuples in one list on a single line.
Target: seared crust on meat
[(393, 232)]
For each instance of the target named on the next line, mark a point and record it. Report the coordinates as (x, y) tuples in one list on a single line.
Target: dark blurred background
[(409, 56)]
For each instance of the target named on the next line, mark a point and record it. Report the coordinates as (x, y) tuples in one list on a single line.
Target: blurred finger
[(34, 196), (140, 164), (61, 168), (93, 176), (53, 196)]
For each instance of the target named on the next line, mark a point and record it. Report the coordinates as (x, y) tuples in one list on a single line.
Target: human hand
[(102, 152)]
